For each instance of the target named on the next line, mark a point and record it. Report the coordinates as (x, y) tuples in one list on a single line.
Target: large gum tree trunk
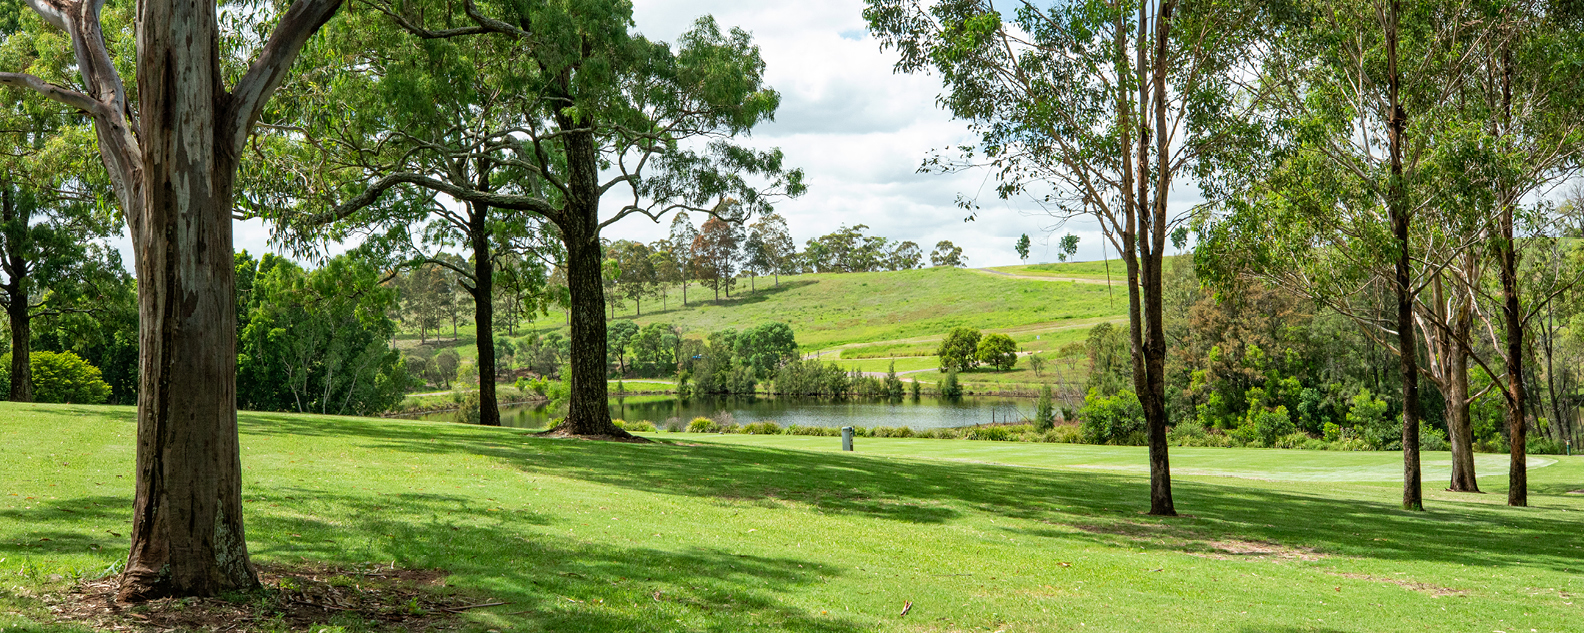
[(187, 536), (588, 409), (483, 292), (1397, 210)]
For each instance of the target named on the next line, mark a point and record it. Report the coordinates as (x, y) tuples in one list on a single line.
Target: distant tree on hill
[(959, 350), (1069, 246), (637, 278), (775, 245), (1022, 247), (667, 271), (907, 256), (619, 336), (948, 254), (683, 237), (715, 254), (655, 348), (997, 350)]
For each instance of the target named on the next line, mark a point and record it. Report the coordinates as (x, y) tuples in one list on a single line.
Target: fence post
[(847, 433)]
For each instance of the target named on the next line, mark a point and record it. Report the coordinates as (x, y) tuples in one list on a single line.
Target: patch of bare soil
[(292, 597), (1426, 588), (560, 432), (1235, 549)]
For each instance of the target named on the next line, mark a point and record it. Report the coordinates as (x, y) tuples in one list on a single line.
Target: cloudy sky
[(858, 131)]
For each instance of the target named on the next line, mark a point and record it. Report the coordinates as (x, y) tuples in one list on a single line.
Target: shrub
[(914, 385), (892, 431), (1065, 434), (1351, 444), (1044, 411), (951, 388), (825, 431), (810, 378), (1295, 439), (1187, 433), (762, 428), (468, 408), (641, 426), (1111, 420), (702, 425), (728, 427), (940, 434), (1367, 414), (998, 351), (60, 377), (674, 424), (1264, 426), (1543, 446), (992, 433), (1432, 439)]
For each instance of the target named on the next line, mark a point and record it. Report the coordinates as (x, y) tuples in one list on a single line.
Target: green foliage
[(703, 425), (762, 428), (468, 408), (950, 387), (997, 350), (914, 388), (893, 385), (1110, 362), (1263, 426), (1116, 419), (319, 340), (618, 336), (1044, 410), (61, 377), (655, 348), (765, 347), (809, 377), (959, 350), (1367, 417)]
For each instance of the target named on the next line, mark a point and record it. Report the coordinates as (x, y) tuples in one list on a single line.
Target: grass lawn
[(771, 533)]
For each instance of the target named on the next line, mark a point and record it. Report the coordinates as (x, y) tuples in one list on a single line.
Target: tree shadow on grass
[(1103, 508), (550, 582)]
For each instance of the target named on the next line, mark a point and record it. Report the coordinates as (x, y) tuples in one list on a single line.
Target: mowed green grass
[(768, 533), (828, 310)]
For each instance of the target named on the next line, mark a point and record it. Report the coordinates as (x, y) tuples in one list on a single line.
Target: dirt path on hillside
[(1035, 278)]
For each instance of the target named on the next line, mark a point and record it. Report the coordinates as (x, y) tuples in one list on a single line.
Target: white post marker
[(847, 438)]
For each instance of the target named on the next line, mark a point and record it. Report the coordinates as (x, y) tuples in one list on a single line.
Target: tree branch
[(299, 23)]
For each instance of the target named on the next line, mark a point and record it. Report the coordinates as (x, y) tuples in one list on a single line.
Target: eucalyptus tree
[(683, 234), (50, 222), (775, 244), (1360, 175), (566, 95), (171, 148), (1092, 107)]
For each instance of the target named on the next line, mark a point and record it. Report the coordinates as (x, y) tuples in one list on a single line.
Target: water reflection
[(924, 413)]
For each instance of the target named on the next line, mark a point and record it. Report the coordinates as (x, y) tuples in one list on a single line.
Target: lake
[(923, 413)]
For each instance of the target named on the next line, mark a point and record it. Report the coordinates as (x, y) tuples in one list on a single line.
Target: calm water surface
[(924, 413)]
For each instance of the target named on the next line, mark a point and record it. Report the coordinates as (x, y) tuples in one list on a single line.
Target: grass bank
[(776, 533)]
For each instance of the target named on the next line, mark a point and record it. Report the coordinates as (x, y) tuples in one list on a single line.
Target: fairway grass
[(773, 533)]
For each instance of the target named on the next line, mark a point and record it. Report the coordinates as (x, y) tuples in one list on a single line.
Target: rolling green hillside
[(904, 310)]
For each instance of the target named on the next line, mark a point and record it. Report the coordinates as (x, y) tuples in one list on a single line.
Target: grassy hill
[(877, 316), (777, 533)]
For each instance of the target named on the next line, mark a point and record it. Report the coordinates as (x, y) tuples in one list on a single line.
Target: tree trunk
[(1517, 395), (1154, 398), (1460, 431), (483, 292), (16, 267), (187, 537), (1397, 209), (588, 410), (21, 343)]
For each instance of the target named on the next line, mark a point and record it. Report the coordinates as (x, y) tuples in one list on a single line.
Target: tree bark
[(1460, 431), (1397, 209), (483, 292), (1517, 394), (588, 409), (1154, 403), (187, 536), (17, 309)]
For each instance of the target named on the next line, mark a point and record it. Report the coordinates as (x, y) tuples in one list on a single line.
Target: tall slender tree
[(1094, 108)]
